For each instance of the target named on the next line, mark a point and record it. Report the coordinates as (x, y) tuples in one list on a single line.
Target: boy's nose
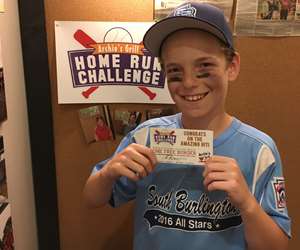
[(190, 81)]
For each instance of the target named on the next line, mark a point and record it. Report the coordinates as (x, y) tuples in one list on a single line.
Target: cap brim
[(155, 36)]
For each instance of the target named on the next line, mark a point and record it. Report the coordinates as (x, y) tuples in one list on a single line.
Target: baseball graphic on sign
[(118, 34)]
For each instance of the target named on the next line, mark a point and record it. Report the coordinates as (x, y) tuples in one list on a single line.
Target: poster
[(267, 18), (6, 231), (105, 62), (163, 7), (3, 111), (96, 124)]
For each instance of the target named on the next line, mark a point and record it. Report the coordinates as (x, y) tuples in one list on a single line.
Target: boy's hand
[(135, 162), (223, 173)]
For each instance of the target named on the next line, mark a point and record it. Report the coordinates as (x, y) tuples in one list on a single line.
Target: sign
[(106, 62)]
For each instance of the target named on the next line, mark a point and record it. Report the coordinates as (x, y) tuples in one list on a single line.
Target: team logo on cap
[(185, 10), (279, 192)]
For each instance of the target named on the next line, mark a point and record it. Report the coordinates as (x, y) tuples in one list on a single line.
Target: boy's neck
[(218, 124)]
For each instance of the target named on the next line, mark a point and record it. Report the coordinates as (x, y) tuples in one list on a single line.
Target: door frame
[(38, 95)]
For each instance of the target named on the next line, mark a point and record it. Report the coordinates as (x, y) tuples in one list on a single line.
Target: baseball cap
[(190, 15)]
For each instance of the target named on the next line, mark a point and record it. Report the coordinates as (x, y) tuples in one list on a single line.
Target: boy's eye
[(203, 69), (202, 74), (205, 65), (174, 78), (174, 74), (173, 70)]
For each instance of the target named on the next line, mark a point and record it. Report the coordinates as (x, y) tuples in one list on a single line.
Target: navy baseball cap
[(190, 15)]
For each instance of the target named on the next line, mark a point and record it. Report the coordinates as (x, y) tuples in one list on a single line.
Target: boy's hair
[(191, 15), (229, 53)]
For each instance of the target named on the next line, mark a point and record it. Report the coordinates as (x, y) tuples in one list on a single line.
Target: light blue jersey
[(174, 211)]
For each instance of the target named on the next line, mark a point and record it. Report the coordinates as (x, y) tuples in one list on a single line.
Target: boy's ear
[(234, 67)]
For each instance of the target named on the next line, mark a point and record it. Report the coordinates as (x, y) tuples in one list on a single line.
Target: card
[(141, 136), (181, 146)]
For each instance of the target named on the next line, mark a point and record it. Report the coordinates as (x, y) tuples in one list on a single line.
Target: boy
[(237, 200)]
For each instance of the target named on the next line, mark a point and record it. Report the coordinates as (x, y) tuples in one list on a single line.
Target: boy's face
[(197, 73)]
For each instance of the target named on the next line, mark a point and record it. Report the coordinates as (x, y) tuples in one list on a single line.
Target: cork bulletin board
[(104, 228), (266, 95)]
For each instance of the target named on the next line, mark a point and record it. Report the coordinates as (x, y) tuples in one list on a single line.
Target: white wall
[(16, 134)]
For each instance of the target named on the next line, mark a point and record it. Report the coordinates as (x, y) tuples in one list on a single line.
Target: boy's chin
[(193, 114)]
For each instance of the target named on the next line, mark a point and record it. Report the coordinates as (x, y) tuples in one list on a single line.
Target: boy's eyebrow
[(204, 59), (171, 66)]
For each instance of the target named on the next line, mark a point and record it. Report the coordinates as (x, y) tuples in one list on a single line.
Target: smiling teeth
[(194, 98)]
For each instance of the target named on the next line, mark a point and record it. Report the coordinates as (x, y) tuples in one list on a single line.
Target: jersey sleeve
[(269, 187), (124, 189)]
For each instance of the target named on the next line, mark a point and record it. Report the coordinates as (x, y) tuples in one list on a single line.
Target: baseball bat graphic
[(85, 40), (148, 92), (89, 91)]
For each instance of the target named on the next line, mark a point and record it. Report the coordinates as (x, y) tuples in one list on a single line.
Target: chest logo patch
[(176, 210)]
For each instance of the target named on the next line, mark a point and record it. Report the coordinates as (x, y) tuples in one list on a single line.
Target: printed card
[(181, 146)]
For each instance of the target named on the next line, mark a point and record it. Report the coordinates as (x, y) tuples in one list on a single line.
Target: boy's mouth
[(195, 98)]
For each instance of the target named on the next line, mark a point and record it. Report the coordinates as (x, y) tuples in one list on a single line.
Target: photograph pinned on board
[(3, 183), (162, 8), (3, 186), (3, 110), (276, 10), (1, 145), (126, 120), (275, 18), (159, 112), (6, 229), (297, 14), (96, 123), (3, 189)]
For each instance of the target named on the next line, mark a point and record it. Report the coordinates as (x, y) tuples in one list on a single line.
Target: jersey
[(174, 211)]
